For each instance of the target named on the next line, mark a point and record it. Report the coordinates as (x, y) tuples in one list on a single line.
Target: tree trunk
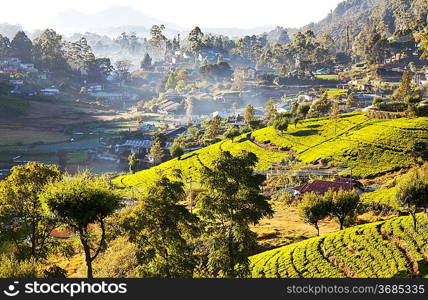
[(87, 251), (318, 229), (231, 259), (414, 222)]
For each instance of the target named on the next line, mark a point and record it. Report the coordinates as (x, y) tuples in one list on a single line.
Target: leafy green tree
[(376, 101), (11, 267), (157, 39), (422, 38), (412, 192), (232, 133), (270, 110), (350, 102), (281, 123), (303, 109), (320, 107), (232, 201), (49, 51), (249, 113), (161, 227), (157, 152), (406, 91), (81, 202), (171, 81), (22, 216), (195, 40), (146, 63), (122, 69), (22, 47), (312, 209), (4, 46), (176, 149), (213, 127), (296, 121), (343, 205), (132, 163), (218, 71)]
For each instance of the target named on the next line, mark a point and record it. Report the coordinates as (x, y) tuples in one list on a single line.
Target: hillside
[(392, 16), (191, 162), (376, 250), (370, 147)]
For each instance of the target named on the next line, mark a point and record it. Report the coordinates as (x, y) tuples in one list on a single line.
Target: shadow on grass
[(240, 140), (187, 157), (304, 133)]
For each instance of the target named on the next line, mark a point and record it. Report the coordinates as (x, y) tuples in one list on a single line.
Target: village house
[(140, 147), (49, 92)]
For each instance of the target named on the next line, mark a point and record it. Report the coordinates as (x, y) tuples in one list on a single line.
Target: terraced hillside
[(377, 250), (191, 162), (368, 146)]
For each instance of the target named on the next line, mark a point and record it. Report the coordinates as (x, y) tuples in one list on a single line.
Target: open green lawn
[(328, 77), (376, 250)]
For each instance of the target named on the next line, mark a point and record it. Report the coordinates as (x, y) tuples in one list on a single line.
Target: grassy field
[(28, 136), (191, 162), (12, 106), (375, 250), (328, 77), (369, 147)]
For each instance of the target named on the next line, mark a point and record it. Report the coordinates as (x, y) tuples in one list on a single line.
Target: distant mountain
[(113, 17)]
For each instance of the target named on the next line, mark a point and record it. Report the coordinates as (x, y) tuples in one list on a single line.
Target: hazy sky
[(186, 13)]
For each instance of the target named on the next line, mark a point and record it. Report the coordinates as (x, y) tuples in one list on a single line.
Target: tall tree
[(146, 63), (49, 51), (343, 205), (249, 113), (270, 110), (80, 203), (233, 200), (22, 47), (320, 107), (195, 40), (4, 46), (22, 216), (158, 40), (412, 192), (161, 227), (313, 209), (157, 152)]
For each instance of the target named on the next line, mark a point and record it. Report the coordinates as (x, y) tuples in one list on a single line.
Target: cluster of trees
[(344, 206), (213, 240), (50, 51), (411, 195)]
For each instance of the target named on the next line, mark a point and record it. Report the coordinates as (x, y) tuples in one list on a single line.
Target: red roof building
[(322, 186)]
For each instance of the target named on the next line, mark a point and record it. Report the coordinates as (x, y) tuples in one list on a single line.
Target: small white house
[(49, 92)]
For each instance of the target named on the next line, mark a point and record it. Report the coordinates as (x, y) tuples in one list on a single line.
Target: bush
[(392, 106), (10, 267)]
